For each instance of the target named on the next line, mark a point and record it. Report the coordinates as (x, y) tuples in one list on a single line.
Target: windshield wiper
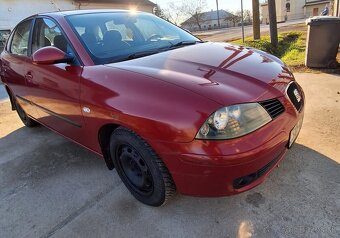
[(141, 54), (183, 43), (152, 52)]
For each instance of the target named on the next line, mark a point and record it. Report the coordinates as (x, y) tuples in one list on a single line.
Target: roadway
[(233, 33)]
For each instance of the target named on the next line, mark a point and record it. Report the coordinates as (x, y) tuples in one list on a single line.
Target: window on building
[(288, 7)]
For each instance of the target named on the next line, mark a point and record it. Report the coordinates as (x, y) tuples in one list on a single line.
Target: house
[(315, 7), (13, 11), (294, 9), (208, 20)]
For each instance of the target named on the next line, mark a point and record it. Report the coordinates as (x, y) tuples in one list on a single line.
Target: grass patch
[(291, 47), (291, 50)]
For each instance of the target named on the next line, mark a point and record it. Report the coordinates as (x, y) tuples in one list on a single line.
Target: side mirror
[(50, 55)]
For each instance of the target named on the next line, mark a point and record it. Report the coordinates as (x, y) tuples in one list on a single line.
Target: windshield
[(118, 36)]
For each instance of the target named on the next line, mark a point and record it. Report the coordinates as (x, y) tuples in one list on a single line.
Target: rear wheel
[(23, 116), (141, 170)]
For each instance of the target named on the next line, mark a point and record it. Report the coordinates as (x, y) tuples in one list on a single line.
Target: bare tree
[(234, 17), (173, 13), (158, 11), (247, 16), (194, 9)]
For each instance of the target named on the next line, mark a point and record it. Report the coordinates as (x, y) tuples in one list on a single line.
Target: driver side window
[(47, 33)]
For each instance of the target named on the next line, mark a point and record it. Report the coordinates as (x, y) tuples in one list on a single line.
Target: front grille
[(246, 180), (274, 107), (295, 96)]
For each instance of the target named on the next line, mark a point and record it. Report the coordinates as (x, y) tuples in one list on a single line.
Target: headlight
[(234, 121)]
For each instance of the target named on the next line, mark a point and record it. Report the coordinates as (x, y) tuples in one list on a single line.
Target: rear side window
[(19, 45)]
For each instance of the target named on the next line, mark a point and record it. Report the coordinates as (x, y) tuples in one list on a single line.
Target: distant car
[(167, 110)]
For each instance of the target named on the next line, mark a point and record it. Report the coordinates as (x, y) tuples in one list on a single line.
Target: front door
[(55, 88), (14, 60)]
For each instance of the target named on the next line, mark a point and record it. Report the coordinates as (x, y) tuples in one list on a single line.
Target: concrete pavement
[(51, 187)]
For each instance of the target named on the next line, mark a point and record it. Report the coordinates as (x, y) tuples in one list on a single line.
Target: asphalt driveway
[(51, 187)]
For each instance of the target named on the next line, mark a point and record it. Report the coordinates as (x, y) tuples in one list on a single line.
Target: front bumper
[(220, 168)]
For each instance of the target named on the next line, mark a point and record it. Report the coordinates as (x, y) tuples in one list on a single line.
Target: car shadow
[(300, 198), (72, 186)]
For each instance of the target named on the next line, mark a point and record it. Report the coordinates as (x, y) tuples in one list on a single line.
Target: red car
[(167, 110)]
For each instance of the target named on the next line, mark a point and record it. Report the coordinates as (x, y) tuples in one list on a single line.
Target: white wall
[(115, 6), (13, 11), (296, 10)]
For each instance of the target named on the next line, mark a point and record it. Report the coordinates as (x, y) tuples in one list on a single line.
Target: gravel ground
[(51, 187)]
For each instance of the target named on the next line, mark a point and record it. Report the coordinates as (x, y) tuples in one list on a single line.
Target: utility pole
[(242, 21), (272, 22), (218, 15), (256, 20)]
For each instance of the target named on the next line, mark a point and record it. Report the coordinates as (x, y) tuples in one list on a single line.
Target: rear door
[(14, 59), (55, 88)]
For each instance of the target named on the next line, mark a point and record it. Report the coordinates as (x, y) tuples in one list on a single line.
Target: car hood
[(228, 74)]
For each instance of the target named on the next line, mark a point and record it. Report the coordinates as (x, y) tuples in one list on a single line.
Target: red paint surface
[(165, 98), (47, 55)]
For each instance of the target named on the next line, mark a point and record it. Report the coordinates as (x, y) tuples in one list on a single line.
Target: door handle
[(29, 77)]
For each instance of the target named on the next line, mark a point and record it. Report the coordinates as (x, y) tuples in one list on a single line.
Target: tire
[(140, 169), (29, 122)]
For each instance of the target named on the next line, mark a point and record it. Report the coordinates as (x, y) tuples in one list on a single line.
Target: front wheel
[(141, 170)]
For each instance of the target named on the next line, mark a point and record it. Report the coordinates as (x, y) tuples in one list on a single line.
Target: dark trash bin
[(323, 41)]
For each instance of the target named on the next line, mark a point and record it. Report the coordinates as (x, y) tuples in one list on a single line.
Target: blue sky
[(232, 5)]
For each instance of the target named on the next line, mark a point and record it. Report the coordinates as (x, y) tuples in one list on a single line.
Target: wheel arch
[(104, 135), (11, 97)]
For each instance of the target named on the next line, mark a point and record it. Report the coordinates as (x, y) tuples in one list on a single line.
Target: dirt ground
[(51, 187)]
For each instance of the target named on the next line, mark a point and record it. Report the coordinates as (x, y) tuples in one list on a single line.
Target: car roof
[(80, 12)]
